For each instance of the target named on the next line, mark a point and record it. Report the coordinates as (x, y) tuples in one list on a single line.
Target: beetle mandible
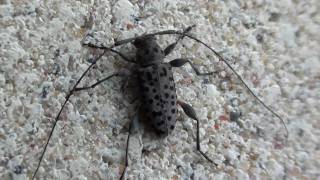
[(156, 83)]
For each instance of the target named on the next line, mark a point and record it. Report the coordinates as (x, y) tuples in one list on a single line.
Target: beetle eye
[(138, 43)]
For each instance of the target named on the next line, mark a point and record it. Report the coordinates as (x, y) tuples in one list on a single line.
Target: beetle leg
[(170, 48), (181, 61), (127, 149), (132, 126), (104, 47), (119, 73), (190, 112), (97, 83)]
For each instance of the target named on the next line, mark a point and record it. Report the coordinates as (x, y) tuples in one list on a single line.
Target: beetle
[(157, 89)]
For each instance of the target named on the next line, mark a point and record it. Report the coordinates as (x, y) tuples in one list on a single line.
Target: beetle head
[(148, 50)]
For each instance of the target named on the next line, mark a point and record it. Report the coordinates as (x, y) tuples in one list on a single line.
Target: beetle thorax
[(148, 51)]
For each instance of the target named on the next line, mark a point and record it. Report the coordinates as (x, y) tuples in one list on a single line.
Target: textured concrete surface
[(273, 45)]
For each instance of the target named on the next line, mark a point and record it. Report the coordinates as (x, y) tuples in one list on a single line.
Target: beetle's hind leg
[(120, 73), (190, 112), (132, 128), (127, 150)]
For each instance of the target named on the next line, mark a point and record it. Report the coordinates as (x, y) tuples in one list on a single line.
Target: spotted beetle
[(157, 88)]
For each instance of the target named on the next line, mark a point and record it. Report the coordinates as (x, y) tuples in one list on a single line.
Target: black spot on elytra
[(171, 88), (147, 51), (172, 103), (154, 67), (160, 123), (157, 97), (172, 96), (171, 78), (149, 76), (169, 118), (154, 90), (154, 113), (166, 95), (164, 72), (165, 86), (172, 127), (155, 49), (18, 169), (173, 111), (139, 56), (161, 131)]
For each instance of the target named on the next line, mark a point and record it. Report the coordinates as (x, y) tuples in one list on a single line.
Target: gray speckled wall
[(273, 45)]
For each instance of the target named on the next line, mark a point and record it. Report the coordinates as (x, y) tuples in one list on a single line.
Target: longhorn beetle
[(156, 85)]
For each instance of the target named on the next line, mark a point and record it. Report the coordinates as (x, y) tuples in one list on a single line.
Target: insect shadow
[(157, 93)]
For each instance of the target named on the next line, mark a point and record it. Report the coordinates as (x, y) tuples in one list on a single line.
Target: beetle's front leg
[(181, 61), (121, 73), (91, 42), (170, 48)]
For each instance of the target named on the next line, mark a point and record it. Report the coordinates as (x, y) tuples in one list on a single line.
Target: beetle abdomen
[(159, 97)]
